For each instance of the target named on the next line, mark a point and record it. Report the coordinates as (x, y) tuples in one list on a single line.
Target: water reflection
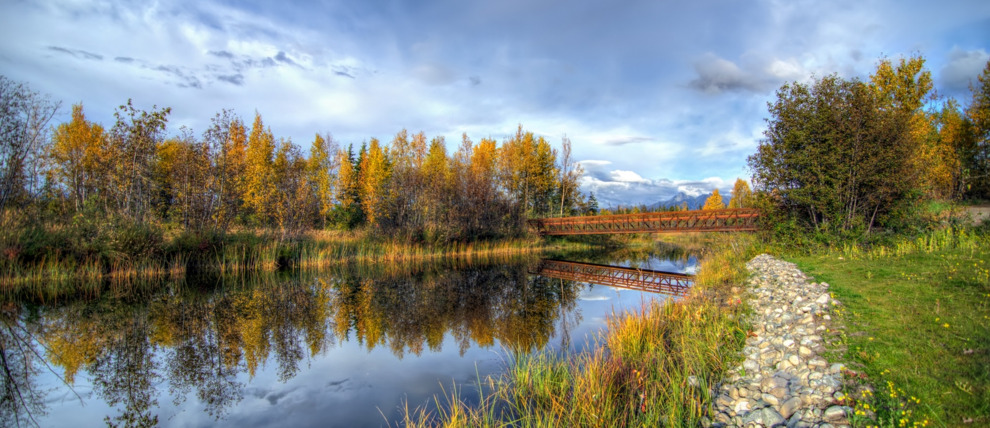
[(211, 344), (345, 347)]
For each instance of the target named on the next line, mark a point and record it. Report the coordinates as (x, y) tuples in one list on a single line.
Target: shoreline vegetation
[(250, 253)]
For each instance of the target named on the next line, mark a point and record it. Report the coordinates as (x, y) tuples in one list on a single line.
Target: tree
[(834, 156), (979, 114), (714, 201), (134, 140), (322, 170), (373, 180), (259, 191), (24, 117), (570, 172), (77, 156), (226, 140), (742, 197)]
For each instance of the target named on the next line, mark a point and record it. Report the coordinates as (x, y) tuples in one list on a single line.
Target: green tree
[(979, 114), (834, 157)]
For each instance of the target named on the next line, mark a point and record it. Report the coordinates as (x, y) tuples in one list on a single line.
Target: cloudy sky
[(657, 96)]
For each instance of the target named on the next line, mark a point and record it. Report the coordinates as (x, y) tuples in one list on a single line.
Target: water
[(345, 347)]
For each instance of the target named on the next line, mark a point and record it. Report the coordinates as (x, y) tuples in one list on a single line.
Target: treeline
[(135, 175), (843, 156)]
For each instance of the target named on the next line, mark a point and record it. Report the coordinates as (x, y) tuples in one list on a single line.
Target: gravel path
[(784, 380)]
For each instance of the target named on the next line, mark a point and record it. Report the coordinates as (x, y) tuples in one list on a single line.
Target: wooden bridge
[(725, 220), (675, 284)]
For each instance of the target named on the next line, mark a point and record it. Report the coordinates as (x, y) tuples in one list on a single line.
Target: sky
[(656, 96)]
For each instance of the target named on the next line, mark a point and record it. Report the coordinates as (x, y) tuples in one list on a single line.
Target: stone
[(766, 416), (741, 407), (770, 399), (836, 413), (793, 359), (790, 406)]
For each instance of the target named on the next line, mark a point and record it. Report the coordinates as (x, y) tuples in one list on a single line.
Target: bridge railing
[(669, 283), (734, 219)]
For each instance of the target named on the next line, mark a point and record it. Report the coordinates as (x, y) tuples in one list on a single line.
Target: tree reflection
[(211, 344), (20, 399)]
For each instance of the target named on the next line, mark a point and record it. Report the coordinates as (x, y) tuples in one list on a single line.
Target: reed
[(651, 367)]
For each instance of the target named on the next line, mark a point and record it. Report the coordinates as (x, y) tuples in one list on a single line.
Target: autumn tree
[(714, 201), (226, 140), (293, 205), (373, 182), (742, 196), (259, 189), (528, 173), (322, 171), (77, 156), (134, 140)]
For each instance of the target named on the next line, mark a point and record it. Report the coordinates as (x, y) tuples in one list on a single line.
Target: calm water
[(344, 347)]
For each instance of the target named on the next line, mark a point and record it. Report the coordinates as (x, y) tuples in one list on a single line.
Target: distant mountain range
[(693, 202)]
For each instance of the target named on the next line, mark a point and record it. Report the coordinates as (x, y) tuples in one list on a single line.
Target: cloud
[(282, 57), (434, 74), (124, 59), (235, 79), (78, 53), (623, 140), (222, 54), (758, 73), (962, 68), (717, 75)]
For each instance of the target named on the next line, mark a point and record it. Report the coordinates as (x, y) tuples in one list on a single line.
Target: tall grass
[(947, 238), (653, 367), (249, 253)]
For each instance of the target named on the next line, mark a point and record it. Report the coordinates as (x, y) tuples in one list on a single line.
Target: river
[(342, 347)]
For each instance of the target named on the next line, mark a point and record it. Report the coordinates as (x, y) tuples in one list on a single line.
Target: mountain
[(693, 202)]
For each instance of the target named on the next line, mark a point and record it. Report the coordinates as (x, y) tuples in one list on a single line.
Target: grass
[(656, 364), (917, 327), (245, 252)]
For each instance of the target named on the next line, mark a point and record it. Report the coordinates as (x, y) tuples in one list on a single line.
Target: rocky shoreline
[(784, 380)]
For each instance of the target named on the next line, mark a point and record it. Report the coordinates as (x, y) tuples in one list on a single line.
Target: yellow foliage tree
[(373, 181), (78, 155), (741, 195), (259, 191), (714, 202)]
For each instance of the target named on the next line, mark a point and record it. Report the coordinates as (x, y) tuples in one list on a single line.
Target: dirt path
[(978, 213)]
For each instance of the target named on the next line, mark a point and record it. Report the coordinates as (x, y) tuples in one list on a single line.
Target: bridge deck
[(669, 283), (736, 219)]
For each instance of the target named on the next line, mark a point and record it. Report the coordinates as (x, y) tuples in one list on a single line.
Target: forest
[(81, 190)]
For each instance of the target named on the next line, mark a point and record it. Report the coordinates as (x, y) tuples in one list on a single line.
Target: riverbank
[(52, 272), (657, 365)]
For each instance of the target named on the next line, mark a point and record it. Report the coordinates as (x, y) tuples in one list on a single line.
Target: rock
[(741, 407), (766, 416), (790, 406), (836, 413)]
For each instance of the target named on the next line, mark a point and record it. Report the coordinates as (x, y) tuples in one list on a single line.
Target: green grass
[(917, 324)]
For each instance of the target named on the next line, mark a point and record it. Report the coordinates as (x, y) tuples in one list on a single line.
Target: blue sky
[(656, 96)]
